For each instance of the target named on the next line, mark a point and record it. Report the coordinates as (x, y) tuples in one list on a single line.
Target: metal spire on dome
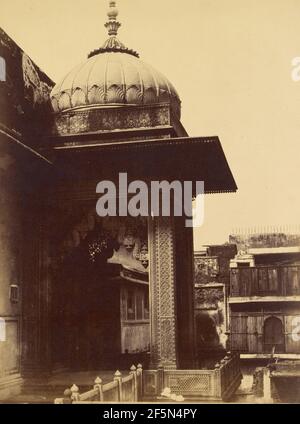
[(113, 44), (112, 25)]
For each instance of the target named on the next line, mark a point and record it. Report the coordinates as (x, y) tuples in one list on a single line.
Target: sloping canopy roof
[(185, 159)]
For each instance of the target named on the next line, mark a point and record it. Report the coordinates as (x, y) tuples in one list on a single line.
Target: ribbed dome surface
[(113, 78)]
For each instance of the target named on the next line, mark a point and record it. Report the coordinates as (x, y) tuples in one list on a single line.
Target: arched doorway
[(100, 294), (273, 335)]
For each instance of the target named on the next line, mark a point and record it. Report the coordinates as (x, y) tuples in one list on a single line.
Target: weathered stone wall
[(206, 269), (24, 92), (24, 109), (210, 317), (224, 253), (244, 242), (211, 280), (10, 267)]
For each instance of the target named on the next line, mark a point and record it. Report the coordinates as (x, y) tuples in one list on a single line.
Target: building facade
[(264, 295), (212, 278), (24, 105)]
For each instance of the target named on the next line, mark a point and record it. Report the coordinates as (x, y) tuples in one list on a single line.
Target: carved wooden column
[(185, 294), (36, 353), (163, 293)]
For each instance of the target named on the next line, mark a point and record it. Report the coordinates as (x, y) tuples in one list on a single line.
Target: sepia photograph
[(149, 204)]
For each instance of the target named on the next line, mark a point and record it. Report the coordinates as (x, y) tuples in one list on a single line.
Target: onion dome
[(113, 75)]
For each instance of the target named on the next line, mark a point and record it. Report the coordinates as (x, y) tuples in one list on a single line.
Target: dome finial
[(113, 44), (112, 25)]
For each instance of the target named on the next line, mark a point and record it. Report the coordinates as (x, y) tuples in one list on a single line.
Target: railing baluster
[(75, 396), (118, 379), (98, 386), (217, 381), (140, 381), (133, 373)]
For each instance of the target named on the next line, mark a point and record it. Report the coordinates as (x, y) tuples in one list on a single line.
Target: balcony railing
[(218, 383), (265, 281), (120, 389)]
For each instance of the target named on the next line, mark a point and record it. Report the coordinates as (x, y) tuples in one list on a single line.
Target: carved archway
[(89, 261)]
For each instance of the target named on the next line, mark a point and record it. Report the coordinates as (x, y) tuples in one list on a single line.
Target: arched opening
[(273, 335), (100, 294)]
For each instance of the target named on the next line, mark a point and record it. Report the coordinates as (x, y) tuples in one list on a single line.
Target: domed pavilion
[(105, 292), (114, 90)]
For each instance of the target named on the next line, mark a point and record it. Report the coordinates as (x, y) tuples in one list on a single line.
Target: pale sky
[(230, 62)]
